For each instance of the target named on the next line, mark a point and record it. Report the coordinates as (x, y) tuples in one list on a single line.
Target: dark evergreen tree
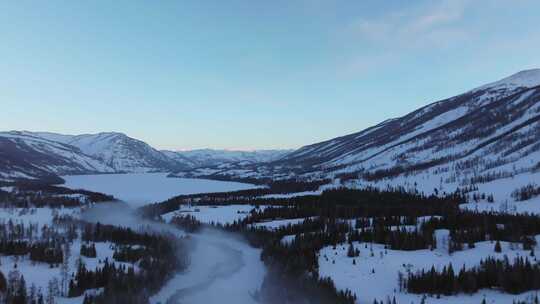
[(498, 248)]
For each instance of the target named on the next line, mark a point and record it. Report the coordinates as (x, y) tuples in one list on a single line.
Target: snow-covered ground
[(40, 274), (213, 214), (224, 269), (279, 223), (501, 189), (146, 188), (376, 276), (136, 190), (122, 215), (511, 206), (39, 216), (222, 266), (227, 214), (295, 194)]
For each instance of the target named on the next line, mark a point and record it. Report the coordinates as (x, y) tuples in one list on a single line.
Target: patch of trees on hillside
[(513, 277)]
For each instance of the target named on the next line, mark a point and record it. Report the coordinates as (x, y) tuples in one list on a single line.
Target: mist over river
[(223, 268)]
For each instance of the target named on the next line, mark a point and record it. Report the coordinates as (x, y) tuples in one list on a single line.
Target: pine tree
[(13, 283), (52, 291), (40, 299), (350, 251), (64, 269), (32, 297), (3, 283), (498, 248), (401, 280), (21, 292)]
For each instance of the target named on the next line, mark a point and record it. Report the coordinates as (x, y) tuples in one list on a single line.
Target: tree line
[(513, 277)]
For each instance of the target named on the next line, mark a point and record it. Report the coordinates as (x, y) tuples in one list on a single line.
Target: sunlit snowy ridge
[(485, 142)]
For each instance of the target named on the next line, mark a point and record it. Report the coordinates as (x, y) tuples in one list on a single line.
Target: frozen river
[(223, 268), (139, 189)]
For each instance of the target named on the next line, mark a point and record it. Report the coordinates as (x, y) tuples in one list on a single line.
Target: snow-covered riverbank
[(222, 265)]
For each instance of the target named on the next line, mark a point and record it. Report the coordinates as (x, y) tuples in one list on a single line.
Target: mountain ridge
[(45, 155), (488, 133)]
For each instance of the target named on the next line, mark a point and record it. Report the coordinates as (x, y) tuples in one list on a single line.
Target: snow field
[(146, 188), (213, 214), (375, 276)]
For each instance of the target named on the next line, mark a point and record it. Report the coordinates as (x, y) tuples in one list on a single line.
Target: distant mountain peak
[(523, 79), (210, 157)]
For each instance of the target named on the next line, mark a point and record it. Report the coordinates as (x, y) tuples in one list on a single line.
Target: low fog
[(223, 268)]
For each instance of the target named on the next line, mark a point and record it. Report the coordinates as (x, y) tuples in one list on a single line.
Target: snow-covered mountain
[(26, 156), (32, 155), (211, 157), (490, 123), (489, 133), (226, 163), (118, 151)]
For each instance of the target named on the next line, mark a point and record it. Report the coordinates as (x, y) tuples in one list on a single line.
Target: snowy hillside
[(467, 141), (31, 155), (449, 127), (24, 156), (119, 151)]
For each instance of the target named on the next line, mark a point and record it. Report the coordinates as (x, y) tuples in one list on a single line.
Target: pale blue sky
[(249, 74)]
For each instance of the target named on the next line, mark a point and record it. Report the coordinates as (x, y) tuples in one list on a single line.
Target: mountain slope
[(40, 155), (491, 133), (25, 156), (32, 155), (446, 130), (487, 134), (484, 109), (119, 151)]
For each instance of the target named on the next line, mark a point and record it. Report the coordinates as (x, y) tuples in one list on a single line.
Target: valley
[(270, 152), (214, 257), (418, 209)]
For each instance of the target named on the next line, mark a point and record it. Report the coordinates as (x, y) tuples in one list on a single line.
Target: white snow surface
[(213, 214), (37, 273), (145, 188), (275, 224), (39, 216), (386, 264)]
